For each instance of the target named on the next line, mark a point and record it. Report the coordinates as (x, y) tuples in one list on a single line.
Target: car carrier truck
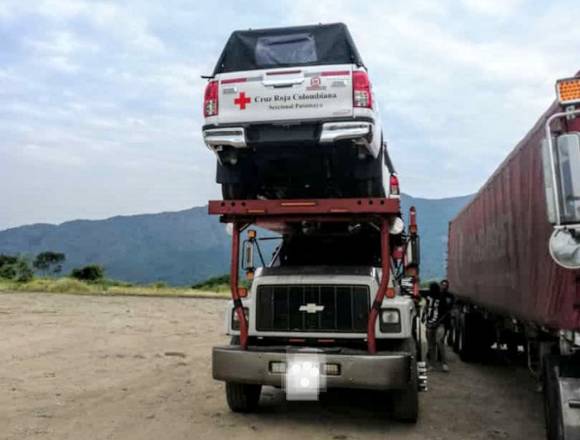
[(336, 306), (513, 260)]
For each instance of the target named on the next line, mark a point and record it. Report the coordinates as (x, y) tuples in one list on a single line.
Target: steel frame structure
[(277, 214)]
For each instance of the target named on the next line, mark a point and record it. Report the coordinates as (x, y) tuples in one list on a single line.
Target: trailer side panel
[(498, 253)]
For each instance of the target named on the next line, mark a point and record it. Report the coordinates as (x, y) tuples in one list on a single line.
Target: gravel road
[(82, 367)]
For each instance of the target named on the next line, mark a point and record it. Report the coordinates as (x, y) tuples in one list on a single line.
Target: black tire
[(236, 191), (373, 186), (475, 337), (243, 397), (365, 188), (466, 344), (406, 402), (552, 406)]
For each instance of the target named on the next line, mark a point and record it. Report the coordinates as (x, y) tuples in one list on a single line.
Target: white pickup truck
[(289, 112)]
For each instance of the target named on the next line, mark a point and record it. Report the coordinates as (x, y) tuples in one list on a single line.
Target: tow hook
[(422, 376)]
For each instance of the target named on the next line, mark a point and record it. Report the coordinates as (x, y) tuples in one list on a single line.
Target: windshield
[(285, 49)]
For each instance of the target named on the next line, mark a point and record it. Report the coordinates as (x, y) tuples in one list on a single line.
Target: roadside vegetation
[(44, 274), (220, 284)]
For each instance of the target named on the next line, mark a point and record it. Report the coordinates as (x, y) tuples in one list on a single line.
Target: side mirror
[(549, 181), (569, 170), (562, 185), (562, 179), (248, 256)]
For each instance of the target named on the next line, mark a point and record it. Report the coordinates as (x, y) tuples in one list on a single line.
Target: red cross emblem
[(242, 100)]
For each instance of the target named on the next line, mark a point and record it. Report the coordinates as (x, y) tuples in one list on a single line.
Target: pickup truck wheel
[(552, 407), (373, 185), (242, 397), (236, 191), (406, 402)]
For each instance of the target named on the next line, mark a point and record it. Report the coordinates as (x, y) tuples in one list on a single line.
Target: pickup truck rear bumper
[(357, 369), (325, 132)]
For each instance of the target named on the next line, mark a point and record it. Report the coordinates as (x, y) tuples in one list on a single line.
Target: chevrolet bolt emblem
[(311, 308)]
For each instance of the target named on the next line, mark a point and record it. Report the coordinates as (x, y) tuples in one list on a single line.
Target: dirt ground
[(75, 367)]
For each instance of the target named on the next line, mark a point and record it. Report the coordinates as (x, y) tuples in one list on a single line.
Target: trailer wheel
[(466, 338), (552, 407), (406, 402)]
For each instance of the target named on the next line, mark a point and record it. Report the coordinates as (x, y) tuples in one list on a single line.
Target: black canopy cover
[(289, 46)]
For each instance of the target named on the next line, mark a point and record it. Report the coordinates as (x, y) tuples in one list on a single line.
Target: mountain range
[(187, 246)]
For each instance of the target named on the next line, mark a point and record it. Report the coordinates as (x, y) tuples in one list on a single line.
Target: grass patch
[(107, 288), (220, 284)]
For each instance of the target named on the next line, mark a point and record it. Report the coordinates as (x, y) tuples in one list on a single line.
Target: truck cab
[(308, 313), (290, 112)]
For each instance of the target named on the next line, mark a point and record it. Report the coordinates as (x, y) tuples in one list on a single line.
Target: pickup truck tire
[(373, 186), (236, 191), (406, 402), (552, 407)]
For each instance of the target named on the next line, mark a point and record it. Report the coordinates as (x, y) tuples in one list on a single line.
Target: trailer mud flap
[(570, 403)]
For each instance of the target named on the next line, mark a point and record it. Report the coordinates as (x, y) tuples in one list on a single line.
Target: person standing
[(436, 317)]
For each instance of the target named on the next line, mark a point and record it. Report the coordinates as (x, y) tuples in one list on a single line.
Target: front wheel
[(406, 401), (406, 404), (243, 397)]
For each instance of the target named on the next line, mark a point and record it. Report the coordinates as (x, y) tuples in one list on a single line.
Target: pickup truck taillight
[(394, 185), (210, 99), (361, 89)]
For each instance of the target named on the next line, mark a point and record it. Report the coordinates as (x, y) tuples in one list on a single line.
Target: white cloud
[(113, 88), (53, 156), (62, 42), (494, 8)]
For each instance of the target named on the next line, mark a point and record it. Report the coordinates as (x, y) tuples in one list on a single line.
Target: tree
[(15, 268), (23, 271), (92, 272), (49, 262), (7, 269)]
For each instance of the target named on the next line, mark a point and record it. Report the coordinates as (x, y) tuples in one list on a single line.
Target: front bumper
[(358, 369)]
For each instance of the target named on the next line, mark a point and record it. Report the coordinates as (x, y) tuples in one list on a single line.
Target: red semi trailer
[(513, 260)]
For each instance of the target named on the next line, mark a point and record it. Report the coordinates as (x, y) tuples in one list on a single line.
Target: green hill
[(188, 246)]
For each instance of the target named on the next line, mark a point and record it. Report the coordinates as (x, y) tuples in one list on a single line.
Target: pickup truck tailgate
[(286, 94)]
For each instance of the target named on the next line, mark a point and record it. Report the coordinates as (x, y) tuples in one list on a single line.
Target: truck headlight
[(236, 321), (390, 316), (390, 321)]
